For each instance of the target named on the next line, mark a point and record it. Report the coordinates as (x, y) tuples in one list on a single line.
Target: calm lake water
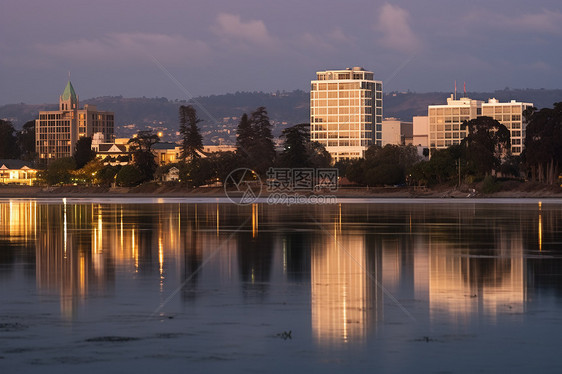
[(393, 286)]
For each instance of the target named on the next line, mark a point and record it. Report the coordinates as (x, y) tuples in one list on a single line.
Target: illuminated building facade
[(445, 121), (57, 131), (346, 111), (511, 116)]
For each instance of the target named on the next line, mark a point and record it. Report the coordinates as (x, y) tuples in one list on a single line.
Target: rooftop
[(69, 92)]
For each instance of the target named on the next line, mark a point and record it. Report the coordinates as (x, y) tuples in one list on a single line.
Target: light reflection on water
[(450, 265)]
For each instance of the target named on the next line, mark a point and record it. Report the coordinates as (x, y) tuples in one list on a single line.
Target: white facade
[(511, 116), (396, 132), (445, 120), (346, 112), (421, 131)]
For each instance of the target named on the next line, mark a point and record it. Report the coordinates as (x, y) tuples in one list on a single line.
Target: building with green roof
[(57, 131)]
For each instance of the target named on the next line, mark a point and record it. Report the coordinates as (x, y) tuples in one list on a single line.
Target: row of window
[(53, 142), (54, 136), (346, 143), (342, 135), (342, 127), (351, 118), (98, 116), (346, 86), (448, 119), (345, 75), (439, 134), (315, 103), (487, 110), (449, 111), (340, 94)]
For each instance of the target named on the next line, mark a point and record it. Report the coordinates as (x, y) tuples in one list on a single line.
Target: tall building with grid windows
[(346, 111), (57, 131), (445, 121)]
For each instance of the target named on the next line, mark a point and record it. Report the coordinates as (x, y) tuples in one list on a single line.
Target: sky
[(178, 49)]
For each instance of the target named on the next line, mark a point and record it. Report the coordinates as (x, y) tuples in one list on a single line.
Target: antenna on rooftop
[(464, 89), (69, 75)]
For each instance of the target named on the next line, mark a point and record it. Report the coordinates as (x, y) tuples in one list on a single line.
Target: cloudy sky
[(178, 48)]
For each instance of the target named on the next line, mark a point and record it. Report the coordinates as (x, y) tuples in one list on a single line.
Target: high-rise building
[(445, 121), (346, 111), (57, 131)]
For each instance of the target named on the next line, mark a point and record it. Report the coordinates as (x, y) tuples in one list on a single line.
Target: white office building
[(346, 111)]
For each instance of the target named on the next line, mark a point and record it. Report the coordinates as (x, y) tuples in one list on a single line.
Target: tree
[(143, 158), (263, 150), (129, 176), (255, 141), (8, 141), (318, 156), (487, 144), (26, 141), (83, 152), (440, 169), (108, 175), (244, 138), (295, 152), (59, 171), (383, 166), (299, 151), (543, 143), (192, 141), (89, 173)]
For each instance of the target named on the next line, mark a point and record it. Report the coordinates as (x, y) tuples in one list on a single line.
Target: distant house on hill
[(17, 172)]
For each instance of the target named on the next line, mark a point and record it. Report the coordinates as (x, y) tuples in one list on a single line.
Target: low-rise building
[(397, 132), (421, 131), (445, 121), (17, 172)]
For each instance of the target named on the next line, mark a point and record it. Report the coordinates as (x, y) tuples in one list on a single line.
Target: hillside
[(220, 113)]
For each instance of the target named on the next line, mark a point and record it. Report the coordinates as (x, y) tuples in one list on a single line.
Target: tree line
[(255, 149), (484, 153)]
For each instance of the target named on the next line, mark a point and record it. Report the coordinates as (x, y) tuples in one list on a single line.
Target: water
[(393, 286)]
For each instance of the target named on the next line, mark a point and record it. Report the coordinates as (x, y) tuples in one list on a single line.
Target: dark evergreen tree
[(486, 146), (318, 156), (262, 128), (143, 158), (192, 141), (543, 143), (295, 151), (26, 141), (83, 152), (244, 138), (8, 141)]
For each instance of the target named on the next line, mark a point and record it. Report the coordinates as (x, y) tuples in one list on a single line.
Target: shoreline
[(166, 191)]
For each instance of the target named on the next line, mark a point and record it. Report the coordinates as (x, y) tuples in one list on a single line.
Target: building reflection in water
[(345, 299), (463, 262), (18, 219)]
